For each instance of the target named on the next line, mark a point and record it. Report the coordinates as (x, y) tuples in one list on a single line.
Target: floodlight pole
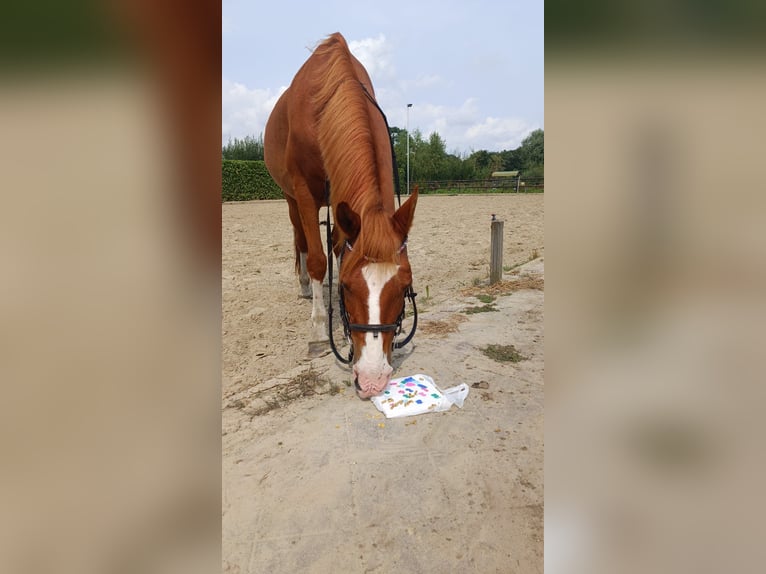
[(408, 148)]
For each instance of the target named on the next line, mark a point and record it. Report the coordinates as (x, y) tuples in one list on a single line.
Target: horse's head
[(374, 277)]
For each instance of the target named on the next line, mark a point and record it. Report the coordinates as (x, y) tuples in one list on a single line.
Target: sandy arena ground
[(316, 480)]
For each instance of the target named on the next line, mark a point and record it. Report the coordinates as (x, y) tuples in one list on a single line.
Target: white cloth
[(417, 394)]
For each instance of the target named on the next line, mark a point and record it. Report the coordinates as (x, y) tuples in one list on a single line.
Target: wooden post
[(496, 252)]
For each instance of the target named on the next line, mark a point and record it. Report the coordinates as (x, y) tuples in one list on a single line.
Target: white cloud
[(375, 56), (244, 111), (496, 134), (464, 128)]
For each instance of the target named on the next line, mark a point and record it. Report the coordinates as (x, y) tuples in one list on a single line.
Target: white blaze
[(374, 359)]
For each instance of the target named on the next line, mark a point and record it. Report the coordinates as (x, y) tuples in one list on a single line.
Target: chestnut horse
[(327, 127)]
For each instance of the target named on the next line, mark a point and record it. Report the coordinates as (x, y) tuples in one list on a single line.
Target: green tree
[(418, 156), (437, 146), (511, 160), (399, 138), (532, 150), (481, 162), (248, 148), (456, 167), (429, 160), (432, 158)]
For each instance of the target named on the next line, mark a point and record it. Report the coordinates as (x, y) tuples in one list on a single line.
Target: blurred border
[(654, 290), (110, 246)]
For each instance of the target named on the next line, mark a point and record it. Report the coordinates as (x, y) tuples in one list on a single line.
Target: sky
[(473, 71)]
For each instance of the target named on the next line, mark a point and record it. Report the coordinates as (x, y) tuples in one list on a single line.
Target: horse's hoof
[(319, 348)]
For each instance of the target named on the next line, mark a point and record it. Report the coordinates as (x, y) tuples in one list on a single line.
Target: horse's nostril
[(356, 383)]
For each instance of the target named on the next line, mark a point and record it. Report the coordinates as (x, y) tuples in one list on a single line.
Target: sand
[(317, 480)]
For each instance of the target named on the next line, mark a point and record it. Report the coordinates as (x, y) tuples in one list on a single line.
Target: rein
[(390, 140), (343, 314)]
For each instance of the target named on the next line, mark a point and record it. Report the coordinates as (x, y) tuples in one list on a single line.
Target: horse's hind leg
[(301, 249), (303, 277), (316, 264)]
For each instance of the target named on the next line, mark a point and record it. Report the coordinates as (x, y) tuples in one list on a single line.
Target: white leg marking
[(303, 277), (318, 312)]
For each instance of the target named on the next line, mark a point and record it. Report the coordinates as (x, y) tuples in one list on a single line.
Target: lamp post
[(408, 148)]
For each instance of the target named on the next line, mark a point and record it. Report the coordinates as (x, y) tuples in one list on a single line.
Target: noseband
[(373, 328)]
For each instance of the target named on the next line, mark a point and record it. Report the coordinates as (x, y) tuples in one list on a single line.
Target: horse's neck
[(356, 153)]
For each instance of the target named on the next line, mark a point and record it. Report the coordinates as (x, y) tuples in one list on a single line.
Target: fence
[(493, 185)]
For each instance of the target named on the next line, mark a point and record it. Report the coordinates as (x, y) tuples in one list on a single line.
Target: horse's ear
[(347, 220), (403, 216)]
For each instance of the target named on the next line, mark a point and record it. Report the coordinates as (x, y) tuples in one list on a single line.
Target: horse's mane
[(348, 150), (377, 241)]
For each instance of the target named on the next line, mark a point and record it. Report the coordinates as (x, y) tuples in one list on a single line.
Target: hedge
[(245, 180)]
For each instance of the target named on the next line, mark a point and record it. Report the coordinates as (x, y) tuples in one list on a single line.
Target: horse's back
[(290, 142), (291, 145)]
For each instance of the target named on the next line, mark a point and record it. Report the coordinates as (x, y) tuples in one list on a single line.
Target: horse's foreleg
[(318, 313), (301, 248), (315, 265)]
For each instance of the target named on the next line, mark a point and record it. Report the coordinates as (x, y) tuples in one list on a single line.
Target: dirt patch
[(442, 328), (305, 383), (503, 353), (506, 287), (480, 309)]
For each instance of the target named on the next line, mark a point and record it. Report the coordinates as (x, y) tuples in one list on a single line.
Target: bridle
[(409, 293), (374, 328)]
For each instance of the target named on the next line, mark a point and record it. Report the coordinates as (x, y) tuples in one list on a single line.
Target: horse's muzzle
[(368, 385)]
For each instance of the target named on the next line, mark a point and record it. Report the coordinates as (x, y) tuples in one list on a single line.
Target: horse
[(327, 127)]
